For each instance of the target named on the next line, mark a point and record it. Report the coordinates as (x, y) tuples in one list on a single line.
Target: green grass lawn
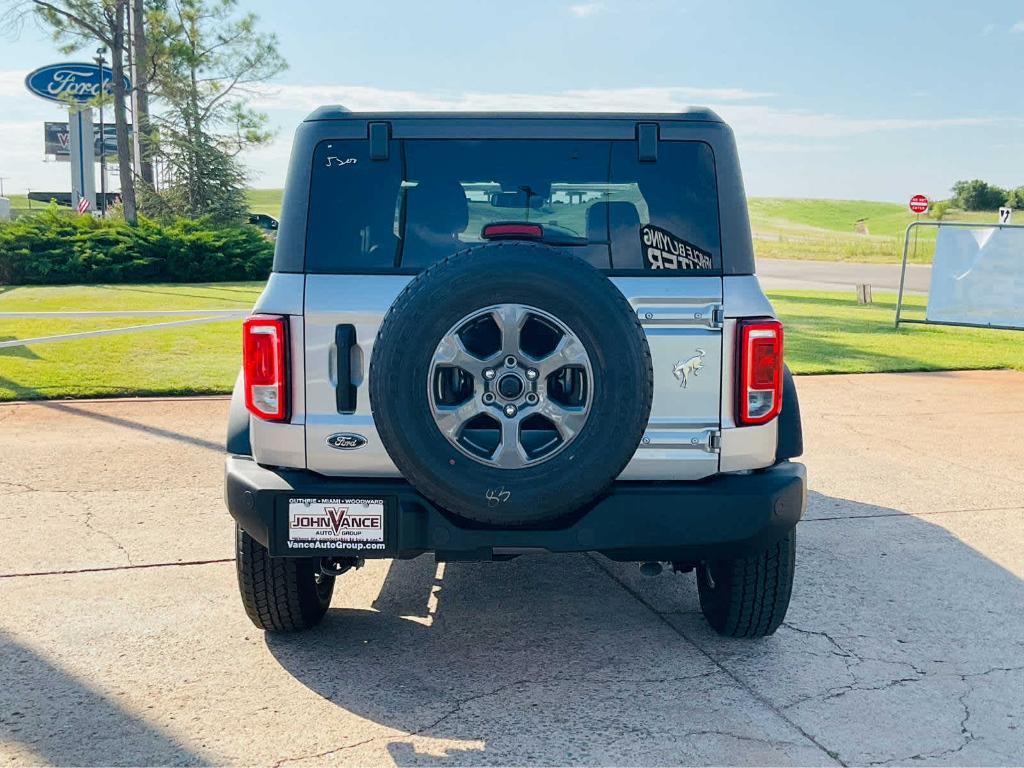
[(831, 333), (825, 333), (265, 201), (202, 359), (96, 298)]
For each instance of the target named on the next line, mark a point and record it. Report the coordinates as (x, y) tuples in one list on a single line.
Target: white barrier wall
[(978, 277)]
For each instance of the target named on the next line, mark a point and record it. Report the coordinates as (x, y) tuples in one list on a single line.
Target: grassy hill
[(265, 201), (796, 216)]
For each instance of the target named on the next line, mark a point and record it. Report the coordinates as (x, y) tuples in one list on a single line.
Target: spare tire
[(511, 383)]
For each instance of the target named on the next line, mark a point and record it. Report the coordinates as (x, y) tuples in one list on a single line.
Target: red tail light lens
[(760, 374), (264, 341)]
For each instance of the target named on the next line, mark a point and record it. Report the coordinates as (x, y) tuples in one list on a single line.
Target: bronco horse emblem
[(689, 367)]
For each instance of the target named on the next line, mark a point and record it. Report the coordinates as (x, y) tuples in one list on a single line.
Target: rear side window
[(433, 197), (352, 209)]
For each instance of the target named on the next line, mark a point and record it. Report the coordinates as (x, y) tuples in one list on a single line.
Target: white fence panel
[(978, 277)]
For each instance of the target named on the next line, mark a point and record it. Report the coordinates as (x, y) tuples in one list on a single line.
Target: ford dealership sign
[(74, 81)]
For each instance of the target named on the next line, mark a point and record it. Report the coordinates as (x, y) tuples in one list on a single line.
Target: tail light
[(264, 341), (760, 374), (512, 229)]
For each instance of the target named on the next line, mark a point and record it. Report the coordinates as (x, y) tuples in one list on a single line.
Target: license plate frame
[(353, 525)]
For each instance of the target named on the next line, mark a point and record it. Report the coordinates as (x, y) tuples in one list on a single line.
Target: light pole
[(100, 61), (2, 180)]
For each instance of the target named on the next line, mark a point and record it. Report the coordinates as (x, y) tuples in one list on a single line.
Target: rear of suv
[(488, 335)]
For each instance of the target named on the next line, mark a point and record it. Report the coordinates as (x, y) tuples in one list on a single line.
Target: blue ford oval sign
[(73, 81)]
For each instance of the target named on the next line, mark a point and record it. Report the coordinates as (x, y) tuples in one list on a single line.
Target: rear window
[(432, 197)]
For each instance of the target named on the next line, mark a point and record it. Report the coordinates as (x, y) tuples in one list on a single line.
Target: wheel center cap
[(510, 386)]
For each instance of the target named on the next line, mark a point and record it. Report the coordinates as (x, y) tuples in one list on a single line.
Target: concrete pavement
[(796, 274), (122, 640)]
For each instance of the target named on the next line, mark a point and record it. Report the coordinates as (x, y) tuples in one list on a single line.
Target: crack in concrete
[(840, 691), (833, 755), (25, 487), (851, 660), (457, 706), (104, 569), (910, 514), (738, 737), (87, 522), (967, 736), (840, 650)]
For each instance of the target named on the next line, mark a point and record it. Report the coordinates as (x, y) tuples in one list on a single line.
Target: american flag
[(83, 204)]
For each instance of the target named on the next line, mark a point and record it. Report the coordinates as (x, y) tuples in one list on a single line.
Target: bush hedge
[(56, 246)]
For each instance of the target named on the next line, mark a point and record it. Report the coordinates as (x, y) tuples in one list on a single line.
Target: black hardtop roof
[(689, 114)]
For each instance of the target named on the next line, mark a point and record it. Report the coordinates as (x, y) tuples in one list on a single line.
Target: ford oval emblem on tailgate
[(346, 441)]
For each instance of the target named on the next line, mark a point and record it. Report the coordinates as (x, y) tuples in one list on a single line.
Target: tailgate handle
[(345, 340)]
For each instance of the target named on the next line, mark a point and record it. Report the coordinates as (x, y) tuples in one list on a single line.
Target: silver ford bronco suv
[(489, 335)]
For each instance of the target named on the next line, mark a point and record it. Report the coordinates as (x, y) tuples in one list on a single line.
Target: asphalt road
[(794, 274), (122, 640)]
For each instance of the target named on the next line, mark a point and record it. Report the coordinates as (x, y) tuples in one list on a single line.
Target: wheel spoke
[(451, 419), (510, 319), (451, 351), (568, 420), (509, 453), (568, 351)]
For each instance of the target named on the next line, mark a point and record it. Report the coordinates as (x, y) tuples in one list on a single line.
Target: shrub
[(56, 246), (978, 195), (939, 209)]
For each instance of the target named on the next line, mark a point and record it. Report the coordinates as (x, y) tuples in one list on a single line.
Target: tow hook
[(335, 566)]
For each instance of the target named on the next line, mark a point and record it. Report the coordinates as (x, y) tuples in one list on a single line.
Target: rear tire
[(280, 594), (748, 597)]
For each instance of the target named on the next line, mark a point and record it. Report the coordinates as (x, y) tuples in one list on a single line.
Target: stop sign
[(919, 204)]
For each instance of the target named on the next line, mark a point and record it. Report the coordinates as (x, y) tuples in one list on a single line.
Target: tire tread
[(751, 594), (278, 593)]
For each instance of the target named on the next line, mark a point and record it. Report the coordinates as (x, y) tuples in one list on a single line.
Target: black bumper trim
[(725, 516)]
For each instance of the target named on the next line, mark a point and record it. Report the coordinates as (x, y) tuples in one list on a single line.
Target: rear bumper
[(726, 516)]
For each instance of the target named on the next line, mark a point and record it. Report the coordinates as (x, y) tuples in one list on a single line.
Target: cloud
[(22, 159), (743, 109), (988, 29), (12, 83), (757, 120), (796, 147), (585, 10), (1018, 28), (368, 99)]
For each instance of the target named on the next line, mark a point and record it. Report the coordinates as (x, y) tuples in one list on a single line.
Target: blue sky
[(873, 100)]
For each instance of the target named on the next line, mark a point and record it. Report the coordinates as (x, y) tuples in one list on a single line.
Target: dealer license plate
[(335, 523)]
